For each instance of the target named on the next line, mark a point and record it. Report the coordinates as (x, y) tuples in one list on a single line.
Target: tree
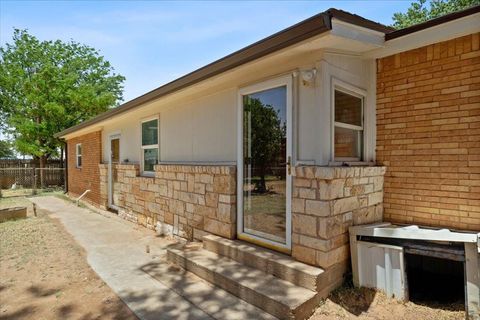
[(418, 12), (48, 86), (267, 136), (6, 151)]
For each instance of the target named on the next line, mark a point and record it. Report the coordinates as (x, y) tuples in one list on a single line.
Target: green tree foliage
[(267, 136), (6, 150), (418, 11), (48, 86)]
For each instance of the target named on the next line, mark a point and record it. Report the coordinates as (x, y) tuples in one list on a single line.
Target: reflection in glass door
[(266, 165), (113, 184)]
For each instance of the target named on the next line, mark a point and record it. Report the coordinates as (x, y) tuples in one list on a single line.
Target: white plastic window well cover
[(414, 232), (381, 266)]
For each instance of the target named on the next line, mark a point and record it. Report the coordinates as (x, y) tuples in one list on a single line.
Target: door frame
[(111, 137), (287, 81)]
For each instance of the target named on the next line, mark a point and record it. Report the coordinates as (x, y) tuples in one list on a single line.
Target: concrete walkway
[(152, 288)]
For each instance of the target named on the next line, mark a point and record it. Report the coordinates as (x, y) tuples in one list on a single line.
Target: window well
[(434, 280)]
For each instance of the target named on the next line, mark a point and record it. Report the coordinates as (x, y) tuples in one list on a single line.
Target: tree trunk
[(262, 186), (43, 162), (61, 157)]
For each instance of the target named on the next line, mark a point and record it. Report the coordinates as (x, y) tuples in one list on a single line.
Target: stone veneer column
[(189, 201), (103, 185), (328, 200)]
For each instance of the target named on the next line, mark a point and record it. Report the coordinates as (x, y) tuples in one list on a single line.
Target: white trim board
[(413, 232), (357, 33), (442, 32)]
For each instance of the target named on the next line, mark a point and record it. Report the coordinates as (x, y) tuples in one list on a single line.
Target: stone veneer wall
[(326, 201), (189, 201)]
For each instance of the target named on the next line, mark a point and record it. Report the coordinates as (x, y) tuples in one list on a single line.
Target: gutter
[(311, 27), (301, 31), (431, 23)]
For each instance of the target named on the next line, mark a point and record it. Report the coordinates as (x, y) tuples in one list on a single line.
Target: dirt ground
[(44, 273), (368, 304)]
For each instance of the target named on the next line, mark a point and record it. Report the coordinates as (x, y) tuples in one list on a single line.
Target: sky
[(154, 42)]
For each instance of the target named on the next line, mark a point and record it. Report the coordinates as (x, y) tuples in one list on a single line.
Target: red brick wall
[(88, 176), (428, 134)]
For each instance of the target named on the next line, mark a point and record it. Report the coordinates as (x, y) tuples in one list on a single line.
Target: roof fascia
[(438, 33), (354, 32), (308, 28)]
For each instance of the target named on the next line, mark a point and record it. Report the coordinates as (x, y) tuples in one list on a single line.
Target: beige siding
[(201, 130), (202, 127)]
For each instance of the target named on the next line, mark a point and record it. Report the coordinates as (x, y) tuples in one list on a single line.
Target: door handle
[(289, 165)]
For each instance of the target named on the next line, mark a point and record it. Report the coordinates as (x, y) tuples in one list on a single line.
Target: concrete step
[(265, 291), (213, 301), (271, 262)]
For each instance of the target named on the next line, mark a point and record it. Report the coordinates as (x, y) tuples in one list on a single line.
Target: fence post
[(34, 176)]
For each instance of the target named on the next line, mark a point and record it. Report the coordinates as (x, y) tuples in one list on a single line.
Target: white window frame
[(112, 136), (78, 155), (150, 146), (338, 85)]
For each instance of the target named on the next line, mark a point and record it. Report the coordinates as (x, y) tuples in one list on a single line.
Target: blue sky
[(154, 42)]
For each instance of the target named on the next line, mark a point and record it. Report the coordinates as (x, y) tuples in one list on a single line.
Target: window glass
[(150, 132), (150, 158), (348, 143), (348, 135), (348, 108), (79, 155)]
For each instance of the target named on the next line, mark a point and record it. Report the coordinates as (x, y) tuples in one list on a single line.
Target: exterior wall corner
[(326, 202)]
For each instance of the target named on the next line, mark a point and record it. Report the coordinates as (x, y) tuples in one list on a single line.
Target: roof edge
[(358, 20), (303, 30), (431, 23), (300, 31)]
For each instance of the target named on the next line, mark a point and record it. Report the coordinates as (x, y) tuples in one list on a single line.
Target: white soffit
[(442, 32), (370, 39)]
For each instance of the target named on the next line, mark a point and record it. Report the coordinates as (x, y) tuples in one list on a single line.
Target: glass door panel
[(114, 185), (265, 164)]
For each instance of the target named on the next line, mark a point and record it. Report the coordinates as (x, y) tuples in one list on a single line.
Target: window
[(78, 154), (348, 125), (149, 144)]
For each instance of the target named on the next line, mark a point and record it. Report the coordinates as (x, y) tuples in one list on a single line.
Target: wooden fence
[(31, 178), (29, 163)]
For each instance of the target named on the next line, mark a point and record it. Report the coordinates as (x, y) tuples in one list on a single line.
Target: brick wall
[(88, 176), (428, 134), (189, 201)]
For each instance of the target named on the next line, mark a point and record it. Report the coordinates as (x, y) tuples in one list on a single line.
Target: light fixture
[(308, 76)]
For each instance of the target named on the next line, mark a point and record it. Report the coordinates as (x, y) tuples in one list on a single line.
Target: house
[(333, 122)]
